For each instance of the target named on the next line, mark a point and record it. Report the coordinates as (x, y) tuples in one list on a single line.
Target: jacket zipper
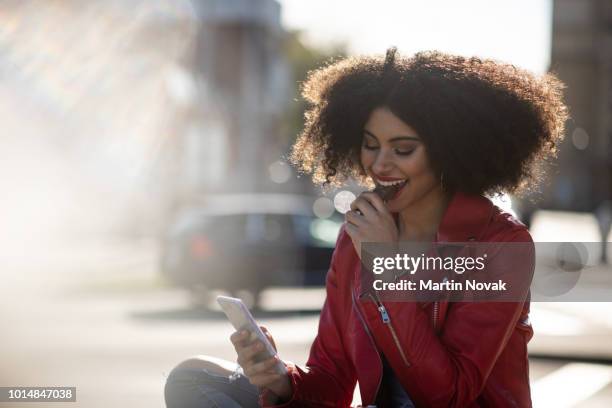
[(387, 321), (435, 314), (365, 326)]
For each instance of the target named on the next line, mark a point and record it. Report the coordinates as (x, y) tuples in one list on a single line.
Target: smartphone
[(241, 318)]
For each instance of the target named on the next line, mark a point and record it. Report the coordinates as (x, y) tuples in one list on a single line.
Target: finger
[(351, 229), (354, 218), (240, 341), (375, 201), (364, 206), (248, 353), (268, 336), (265, 379), (238, 338), (263, 367)]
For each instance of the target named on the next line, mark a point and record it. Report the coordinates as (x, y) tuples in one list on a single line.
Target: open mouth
[(389, 191)]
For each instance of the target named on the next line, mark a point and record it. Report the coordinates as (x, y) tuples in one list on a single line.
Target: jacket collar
[(465, 218)]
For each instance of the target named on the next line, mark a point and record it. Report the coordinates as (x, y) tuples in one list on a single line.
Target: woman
[(447, 131)]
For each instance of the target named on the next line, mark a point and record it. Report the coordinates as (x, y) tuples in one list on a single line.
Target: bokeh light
[(280, 172), (323, 207), (580, 138), (343, 200)]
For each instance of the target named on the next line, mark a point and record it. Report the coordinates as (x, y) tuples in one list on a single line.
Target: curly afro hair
[(487, 126)]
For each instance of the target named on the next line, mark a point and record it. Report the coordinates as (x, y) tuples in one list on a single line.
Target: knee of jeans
[(182, 385), (209, 364), (177, 388)]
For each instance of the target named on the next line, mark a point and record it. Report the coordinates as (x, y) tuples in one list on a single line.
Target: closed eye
[(404, 152), (399, 152)]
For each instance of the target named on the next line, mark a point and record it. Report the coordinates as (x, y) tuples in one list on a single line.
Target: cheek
[(415, 168), (427, 179), (367, 158), (418, 171)]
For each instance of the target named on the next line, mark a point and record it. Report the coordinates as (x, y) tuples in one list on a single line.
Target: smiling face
[(392, 152)]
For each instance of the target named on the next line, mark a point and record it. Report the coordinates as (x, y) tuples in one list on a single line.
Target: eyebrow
[(393, 139)]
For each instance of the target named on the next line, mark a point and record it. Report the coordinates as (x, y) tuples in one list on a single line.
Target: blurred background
[(142, 168)]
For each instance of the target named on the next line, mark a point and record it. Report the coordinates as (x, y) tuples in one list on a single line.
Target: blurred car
[(249, 242)]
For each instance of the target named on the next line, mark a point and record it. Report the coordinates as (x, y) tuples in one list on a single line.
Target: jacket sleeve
[(450, 370), (329, 378)]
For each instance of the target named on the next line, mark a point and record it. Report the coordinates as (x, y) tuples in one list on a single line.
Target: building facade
[(581, 56)]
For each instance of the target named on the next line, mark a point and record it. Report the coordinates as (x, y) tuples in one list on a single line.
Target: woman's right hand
[(258, 367)]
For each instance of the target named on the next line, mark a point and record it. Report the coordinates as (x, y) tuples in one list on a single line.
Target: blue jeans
[(200, 388)]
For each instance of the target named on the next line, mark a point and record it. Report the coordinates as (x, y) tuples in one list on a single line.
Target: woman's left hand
[(370, 221)]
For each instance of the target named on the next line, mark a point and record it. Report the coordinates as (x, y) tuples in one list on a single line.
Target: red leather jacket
[(444, 354)]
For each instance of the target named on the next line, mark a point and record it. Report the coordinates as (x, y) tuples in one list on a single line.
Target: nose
[(383, 163)]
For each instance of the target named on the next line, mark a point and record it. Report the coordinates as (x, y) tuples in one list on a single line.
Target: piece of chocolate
[(387, 192)]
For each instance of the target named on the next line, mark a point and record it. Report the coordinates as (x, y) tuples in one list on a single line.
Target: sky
[(517, 31)]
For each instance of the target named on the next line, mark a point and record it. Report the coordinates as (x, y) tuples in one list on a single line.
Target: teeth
[(390, 183)]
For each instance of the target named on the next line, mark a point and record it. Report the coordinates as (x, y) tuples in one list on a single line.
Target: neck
[(420, 221)]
